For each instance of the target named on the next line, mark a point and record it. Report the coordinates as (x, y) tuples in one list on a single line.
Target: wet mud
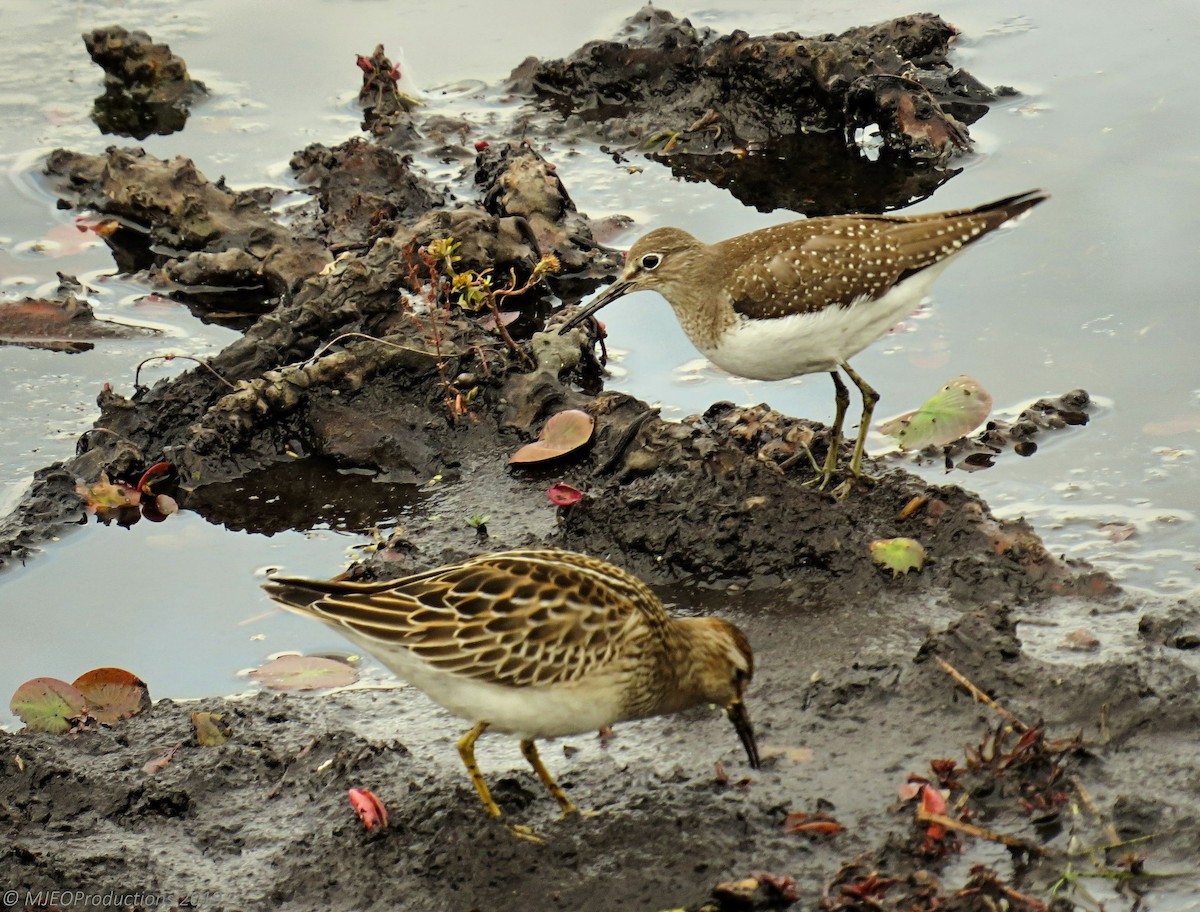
[(409, 331)]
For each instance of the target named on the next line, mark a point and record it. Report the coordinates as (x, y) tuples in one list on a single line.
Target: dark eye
[(650, 261)]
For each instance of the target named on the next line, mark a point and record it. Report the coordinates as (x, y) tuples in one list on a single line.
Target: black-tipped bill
[(610, 294), (741, 721)]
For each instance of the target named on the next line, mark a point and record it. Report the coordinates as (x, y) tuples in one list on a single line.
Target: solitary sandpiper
[(805, 296)]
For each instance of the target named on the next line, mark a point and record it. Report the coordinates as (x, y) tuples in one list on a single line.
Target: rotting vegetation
[(387, 341)]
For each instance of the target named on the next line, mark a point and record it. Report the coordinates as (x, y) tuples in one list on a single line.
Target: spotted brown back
[(806, 266), (518, 618)]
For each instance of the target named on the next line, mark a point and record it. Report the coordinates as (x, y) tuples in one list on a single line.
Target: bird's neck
[(690, 640), (701, 307)]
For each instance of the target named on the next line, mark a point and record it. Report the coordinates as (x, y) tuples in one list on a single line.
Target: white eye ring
[(650, 261)]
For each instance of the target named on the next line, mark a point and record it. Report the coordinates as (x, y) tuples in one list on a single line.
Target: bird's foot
[(524, 832), (850, 483), (804, 450)]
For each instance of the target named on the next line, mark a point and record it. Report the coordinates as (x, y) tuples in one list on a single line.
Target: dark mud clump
[(147, 89)]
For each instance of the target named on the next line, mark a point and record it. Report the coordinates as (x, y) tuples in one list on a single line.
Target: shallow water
[(1093, 290)]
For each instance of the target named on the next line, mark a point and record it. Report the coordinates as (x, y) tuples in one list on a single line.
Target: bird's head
[(657, 262)]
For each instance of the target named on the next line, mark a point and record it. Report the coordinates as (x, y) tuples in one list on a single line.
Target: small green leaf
[(899, 555), (48, 705), (953, 412), (293, 672)]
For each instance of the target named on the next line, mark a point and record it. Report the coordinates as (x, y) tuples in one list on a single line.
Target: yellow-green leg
[(841, 403), (869, 398), (529, 749), (466, 750)]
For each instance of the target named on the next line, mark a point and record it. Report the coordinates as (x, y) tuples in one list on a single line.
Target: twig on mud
[(137, 374), (1036, 904), (504, 334), (101, 430), (349, 335), (971, 830), (979, 695), (482, 356), (1110, 831), (545, 265)]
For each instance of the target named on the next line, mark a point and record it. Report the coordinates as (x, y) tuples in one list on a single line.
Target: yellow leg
[(869, 398), (466, 750), (841, 403), (529, 749)]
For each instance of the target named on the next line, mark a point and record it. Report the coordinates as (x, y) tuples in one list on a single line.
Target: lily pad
[(900, 555), (953, 412), (293, 672), (113, 694), (564, 433), (48, 705)]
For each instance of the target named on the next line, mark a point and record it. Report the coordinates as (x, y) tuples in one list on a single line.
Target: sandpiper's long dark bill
[(805, 296), (538, 644)]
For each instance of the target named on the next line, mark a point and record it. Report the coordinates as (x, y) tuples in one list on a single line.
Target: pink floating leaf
[(564, 433), (506, 317), (293, 672)]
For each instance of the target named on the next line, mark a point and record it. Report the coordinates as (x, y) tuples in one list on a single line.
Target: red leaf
[(822, 824), (933, 801), (783, 884), (159, 468), (563, 494), (370, 810), (869, 887)]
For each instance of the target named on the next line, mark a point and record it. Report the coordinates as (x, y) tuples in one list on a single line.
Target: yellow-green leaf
[(48, 705), (900, 555), (954, 411), (211, 728)]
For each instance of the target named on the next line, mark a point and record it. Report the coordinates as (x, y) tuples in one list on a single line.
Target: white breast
[(785, 347), (530, 712)]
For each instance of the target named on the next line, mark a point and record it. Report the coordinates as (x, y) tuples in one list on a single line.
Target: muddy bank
[(845, 718), (407, 329)]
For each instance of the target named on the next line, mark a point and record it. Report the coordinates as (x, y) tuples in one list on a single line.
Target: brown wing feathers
[(493, 619), (808, 266)]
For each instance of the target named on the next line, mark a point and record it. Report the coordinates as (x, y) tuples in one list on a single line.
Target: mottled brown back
[(806, 266)]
